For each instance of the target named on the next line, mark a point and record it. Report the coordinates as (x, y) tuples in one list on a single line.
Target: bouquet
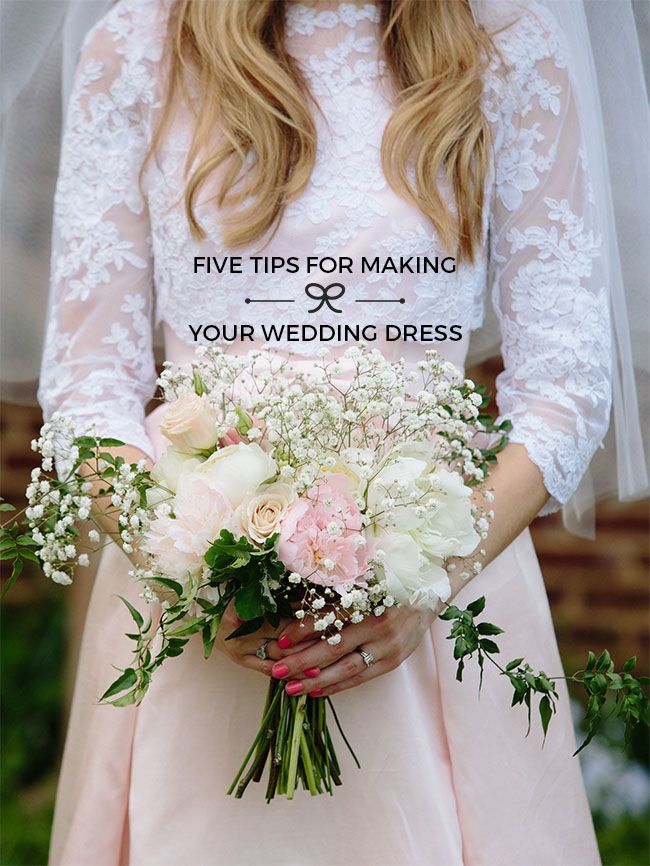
[(348, 487)]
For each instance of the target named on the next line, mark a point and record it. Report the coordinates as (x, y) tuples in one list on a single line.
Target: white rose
[(235, 471), (261, 515), (171, 466), (190, 424), (411, 576), (398, 479), (447, 528)]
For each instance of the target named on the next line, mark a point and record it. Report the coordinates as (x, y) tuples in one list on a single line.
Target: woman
[(256, 128)]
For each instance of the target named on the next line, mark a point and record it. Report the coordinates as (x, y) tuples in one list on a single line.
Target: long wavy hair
[(232, 56)]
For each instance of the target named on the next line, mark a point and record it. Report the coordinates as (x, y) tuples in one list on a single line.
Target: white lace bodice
[(123, 256)]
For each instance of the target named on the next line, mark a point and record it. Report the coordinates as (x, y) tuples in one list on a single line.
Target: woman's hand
[(389, 638), (242, 650)]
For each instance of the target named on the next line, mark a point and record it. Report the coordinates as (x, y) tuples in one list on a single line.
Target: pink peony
[(179, 543), (321, 535)]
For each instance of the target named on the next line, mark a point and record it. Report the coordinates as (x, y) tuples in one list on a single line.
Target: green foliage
[(601, 681), (16, 547), (243, 574), (608, 693)]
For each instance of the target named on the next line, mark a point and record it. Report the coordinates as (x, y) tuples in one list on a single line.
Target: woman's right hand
[(241, 650)]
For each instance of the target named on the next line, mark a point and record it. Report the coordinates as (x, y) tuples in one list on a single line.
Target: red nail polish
[(279, 670), (312, 672), (317, 693), (284, 642), (294, 688)]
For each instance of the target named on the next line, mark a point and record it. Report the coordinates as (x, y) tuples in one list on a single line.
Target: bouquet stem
[(294, 739)]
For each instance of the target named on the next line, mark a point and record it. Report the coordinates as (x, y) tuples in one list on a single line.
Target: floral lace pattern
[(123, 256)]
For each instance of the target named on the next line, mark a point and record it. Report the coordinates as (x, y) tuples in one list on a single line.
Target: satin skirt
[(448, 777)]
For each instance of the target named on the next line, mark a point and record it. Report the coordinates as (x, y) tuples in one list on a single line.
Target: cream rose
[(171, 466), (261, 515), (190, 424), (235, 471)]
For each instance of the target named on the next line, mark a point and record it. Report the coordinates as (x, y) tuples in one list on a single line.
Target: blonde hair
[(246, 85)]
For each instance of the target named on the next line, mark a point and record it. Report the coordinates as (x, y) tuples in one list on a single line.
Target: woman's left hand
[(389, 639)]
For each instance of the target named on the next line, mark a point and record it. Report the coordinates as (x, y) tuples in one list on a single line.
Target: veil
[(39, 46)]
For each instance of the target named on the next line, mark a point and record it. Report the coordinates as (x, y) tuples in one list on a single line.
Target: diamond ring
[(368, 658), (260, 652)]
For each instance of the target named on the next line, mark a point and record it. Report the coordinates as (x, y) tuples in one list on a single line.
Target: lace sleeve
[(98, 362), (548, 290)]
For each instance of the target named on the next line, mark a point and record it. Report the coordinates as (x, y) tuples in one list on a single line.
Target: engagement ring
[(368, 658), (260, 652)]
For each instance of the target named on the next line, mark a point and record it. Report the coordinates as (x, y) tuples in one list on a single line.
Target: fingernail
[(294, 688), (312, 672), (317, 693), (279, 670), (284, 642)]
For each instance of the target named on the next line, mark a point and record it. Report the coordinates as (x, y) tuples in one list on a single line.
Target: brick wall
[(598, 590)]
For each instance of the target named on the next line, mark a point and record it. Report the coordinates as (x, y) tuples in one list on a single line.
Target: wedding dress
[(447, 778)]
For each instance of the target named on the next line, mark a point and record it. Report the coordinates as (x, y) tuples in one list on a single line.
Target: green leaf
[(27, 541), (16, 571), (477, 607), (604, 661), (591, 661), (169, 583), (138, 619), (192, 626), (210, 634), (175, 647), (125, 681), (248, 601), (244, 421), (452, 612), (489, 646), (6, 506), (460, 647), (488, 628), (629, 665), (615, 681), (513, 664), (247, 628), (125, 701), (226, 554), (199, 388), (598, 683), (107, 442), (26, 553), (545, 713)]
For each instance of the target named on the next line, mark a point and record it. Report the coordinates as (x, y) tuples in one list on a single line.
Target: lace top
[(123, 254)]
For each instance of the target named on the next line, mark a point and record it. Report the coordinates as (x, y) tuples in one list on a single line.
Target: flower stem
[(261, 732), (299, 716)]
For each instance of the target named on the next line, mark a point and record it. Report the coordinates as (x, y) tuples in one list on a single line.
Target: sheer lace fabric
[(122, 257)]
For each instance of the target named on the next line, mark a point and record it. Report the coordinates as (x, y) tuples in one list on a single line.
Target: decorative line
[(380, 301), (269, 300)]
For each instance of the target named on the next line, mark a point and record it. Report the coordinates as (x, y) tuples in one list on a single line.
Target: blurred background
[(599, 593)]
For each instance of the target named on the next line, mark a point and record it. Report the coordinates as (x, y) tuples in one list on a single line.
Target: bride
[(396, 129)]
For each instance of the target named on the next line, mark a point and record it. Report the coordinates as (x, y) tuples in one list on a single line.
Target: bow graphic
[(325, 296)]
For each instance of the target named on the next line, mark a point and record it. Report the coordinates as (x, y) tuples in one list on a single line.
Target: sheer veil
[(39, 49)]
